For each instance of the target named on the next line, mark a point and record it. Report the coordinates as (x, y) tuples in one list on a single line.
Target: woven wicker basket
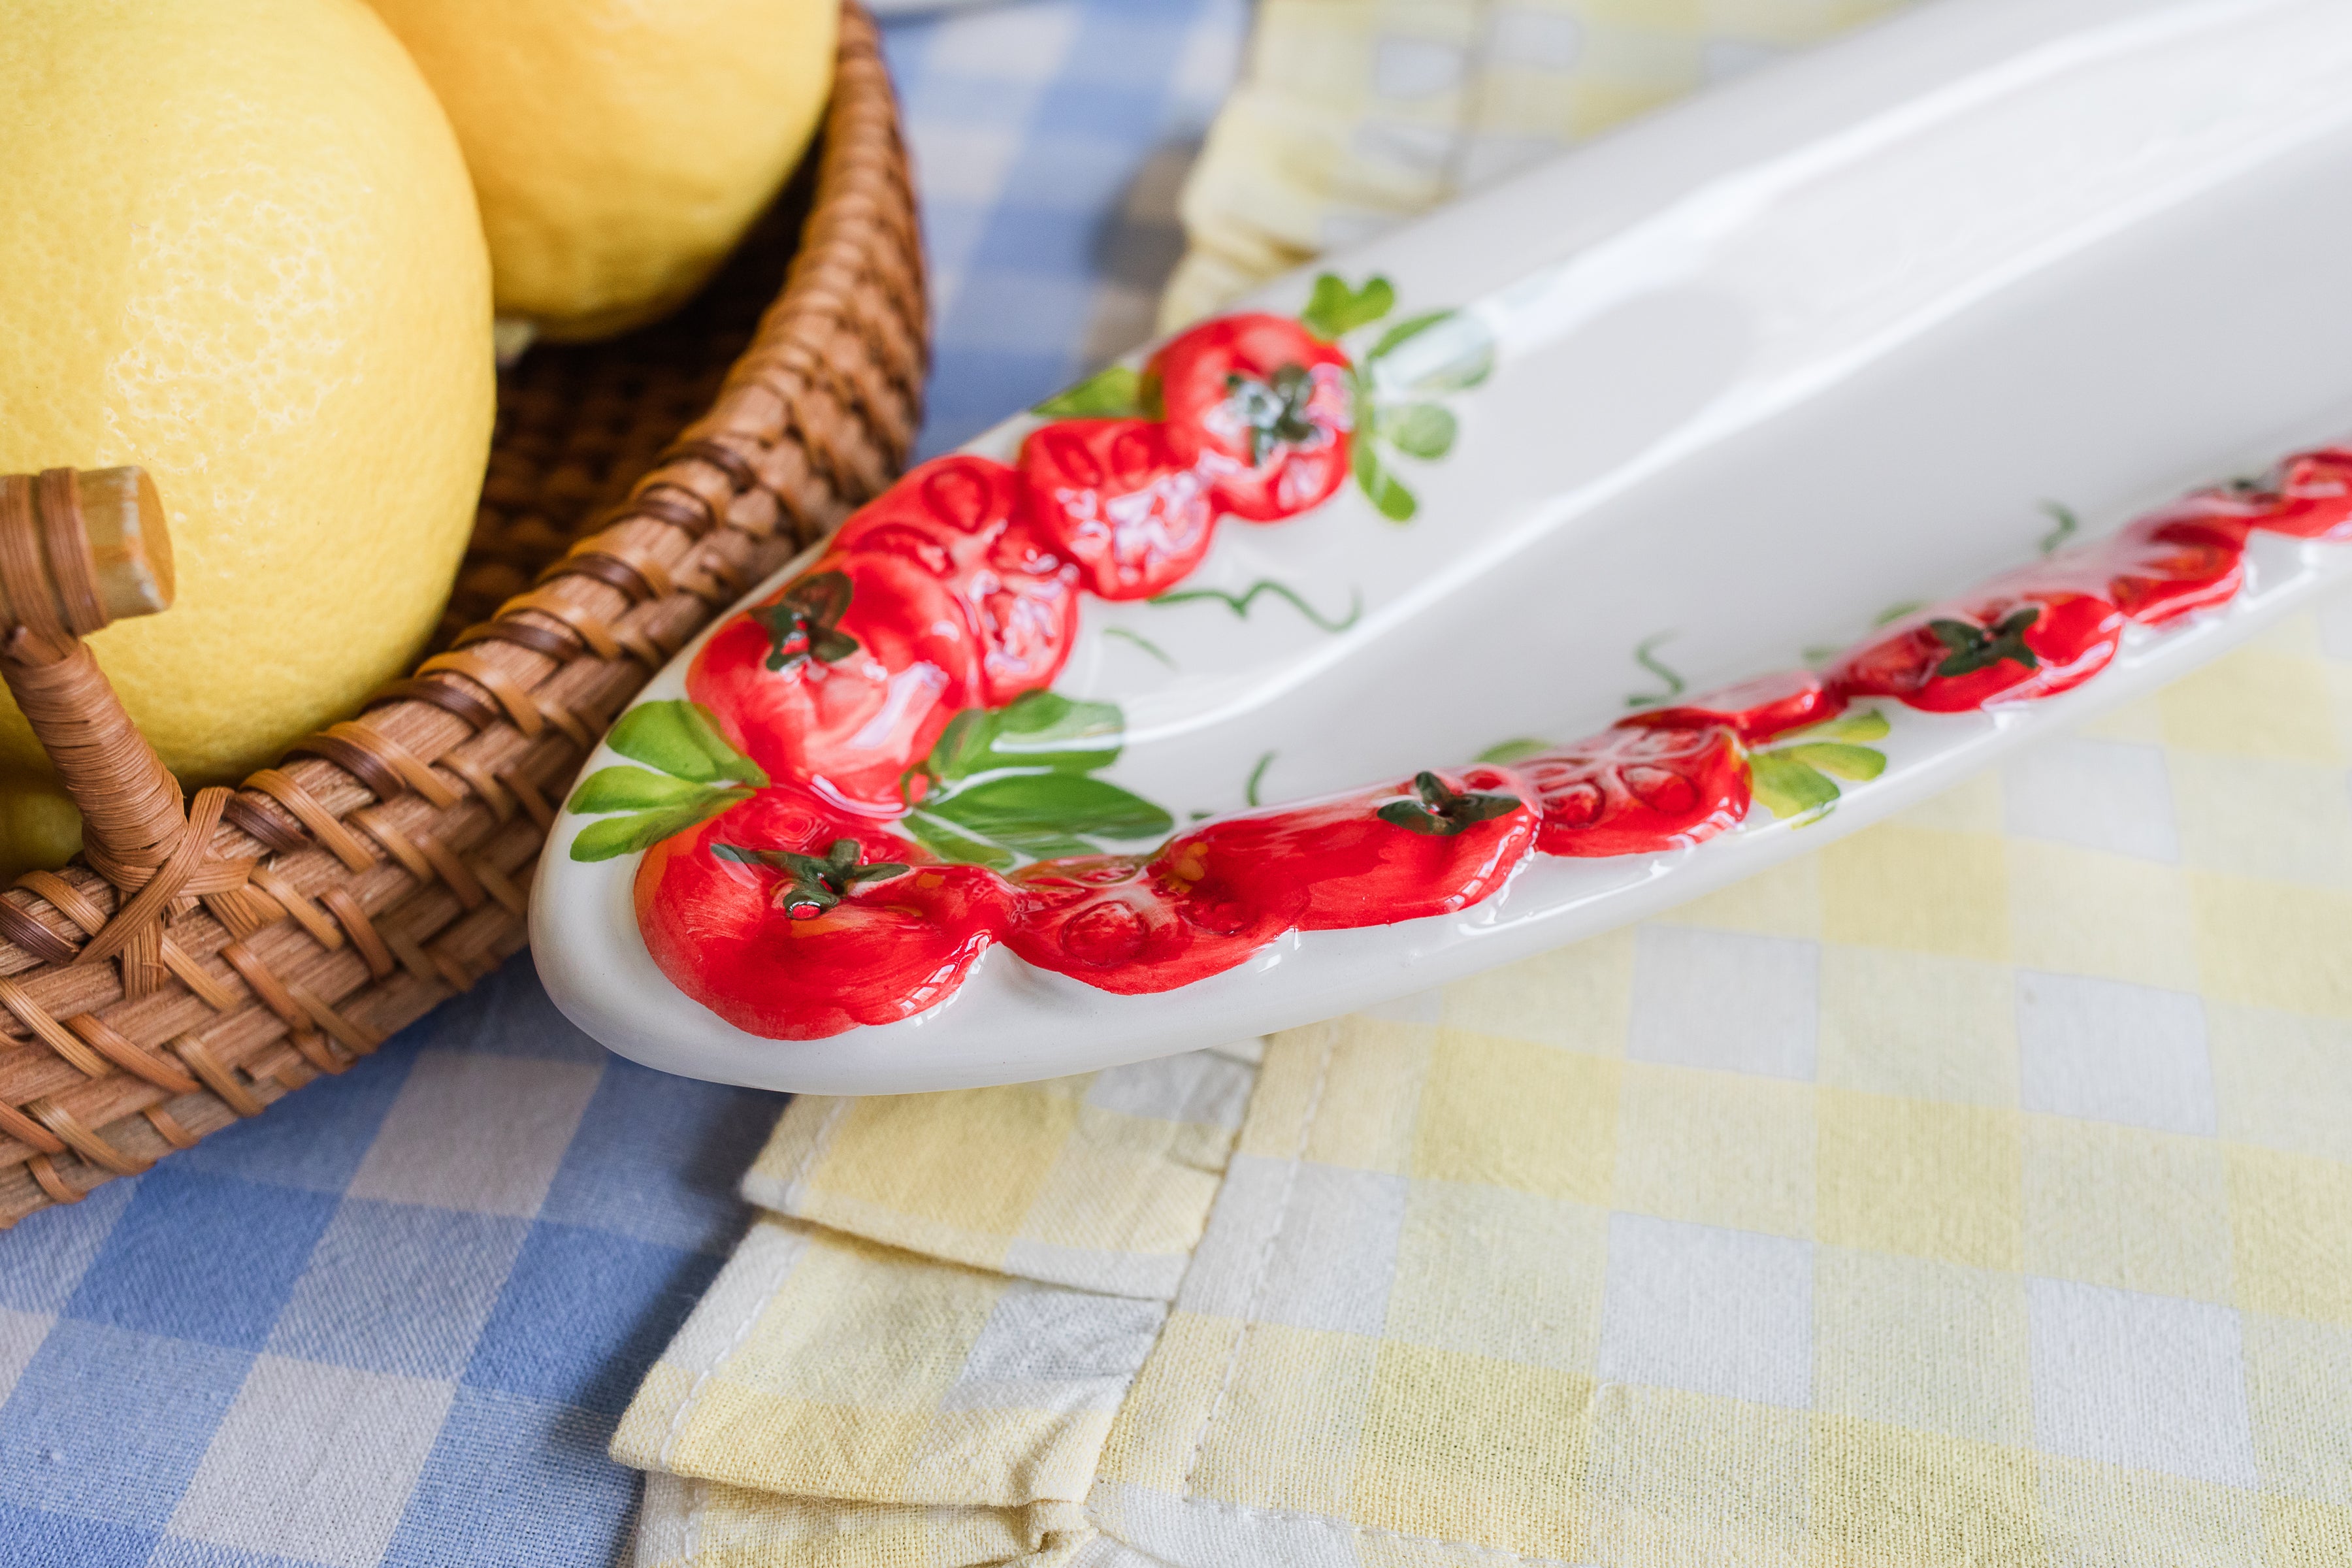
[(198, 962)]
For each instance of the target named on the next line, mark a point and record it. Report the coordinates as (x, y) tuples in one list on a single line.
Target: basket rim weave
[(390, 852)]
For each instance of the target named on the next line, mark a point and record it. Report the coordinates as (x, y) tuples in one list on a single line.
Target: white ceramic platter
[(1829, 340)]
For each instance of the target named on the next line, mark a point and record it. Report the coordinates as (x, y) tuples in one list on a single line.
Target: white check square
[(1712, 1310), (1724, 1000), (2113, 796), (2103, 1050), (476, 1133), (313, 1462), (2151, 1382), (21, 1334)]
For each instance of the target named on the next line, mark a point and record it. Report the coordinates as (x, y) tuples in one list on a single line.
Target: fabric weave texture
[(1354, 115), (1969, 1192), (394, 1320)]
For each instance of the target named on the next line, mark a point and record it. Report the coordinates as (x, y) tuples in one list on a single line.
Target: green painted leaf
[(1404, 332), (1036, 729), (1451, 352), (1389, 497), (1894, 613), (1051, 844), (1334, 310), (1118, 392), (609, 837), (1857, 762), (1865, 724), (1417, 429), (680, 739), (1044, 813), (949, 844), (956, 754), (1045, 729), (1513, 752), (1789, 787), (631, 789)]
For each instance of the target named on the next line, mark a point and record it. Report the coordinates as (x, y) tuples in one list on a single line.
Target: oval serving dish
[(1802, 449)]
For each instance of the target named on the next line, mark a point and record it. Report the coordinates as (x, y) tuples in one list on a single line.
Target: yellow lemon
[(38, 826), (240, 249), (620, 148)]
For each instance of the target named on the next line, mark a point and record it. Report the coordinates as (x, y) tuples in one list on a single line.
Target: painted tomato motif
[(2183, 559), (1757, 709), (1263, 407), (790, 924), (2007, 647), (2315, 495), (1124, 924), (944, 515), (1112, 496), (844, 678), (778, 885), (1636, 791), (1023, 602), (966, 521), (1438, 843)]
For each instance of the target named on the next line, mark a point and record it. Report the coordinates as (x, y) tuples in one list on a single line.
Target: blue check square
[(200, 1257), (583, 1314), (640, 1119), (39, 1540), (514, 1482), (105, 1424)]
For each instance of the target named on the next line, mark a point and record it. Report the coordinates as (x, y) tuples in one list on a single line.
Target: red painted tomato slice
[(2183, 559), (1113, 498), (966, 521), (2314, 499), (1132, 926), (1639, 791), (1759, 709), (944, 515), (1356, 864)]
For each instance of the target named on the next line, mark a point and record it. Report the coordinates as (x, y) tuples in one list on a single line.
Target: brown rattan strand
[(631, 484)]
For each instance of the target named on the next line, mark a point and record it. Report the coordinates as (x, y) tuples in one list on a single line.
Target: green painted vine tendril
[(1239, 604), (1645, 653), (2068, 526), (1140, 640), (1257, 775)]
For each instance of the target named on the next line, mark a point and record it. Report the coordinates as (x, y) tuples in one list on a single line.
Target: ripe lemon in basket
[(240, 249), (620, 148)]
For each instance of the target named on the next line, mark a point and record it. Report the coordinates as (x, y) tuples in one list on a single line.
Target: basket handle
[(78, 551)]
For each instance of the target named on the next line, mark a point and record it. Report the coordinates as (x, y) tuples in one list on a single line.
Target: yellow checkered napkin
[(1354, 114), (916, 1353), (1976, 1191)]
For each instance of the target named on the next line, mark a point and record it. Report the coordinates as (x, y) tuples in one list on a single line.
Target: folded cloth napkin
[(1972, 1192), (918, 1352), (1353, 115)]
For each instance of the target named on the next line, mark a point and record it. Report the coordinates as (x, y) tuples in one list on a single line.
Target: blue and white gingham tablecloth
[(393, 1320)]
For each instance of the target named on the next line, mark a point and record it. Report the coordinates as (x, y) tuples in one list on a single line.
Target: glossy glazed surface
[(1817, 347)]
